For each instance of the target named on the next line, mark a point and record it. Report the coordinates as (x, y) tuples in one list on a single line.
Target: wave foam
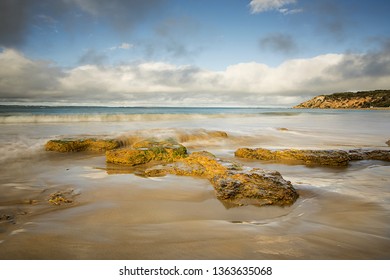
[(20, 148), (103, 118)]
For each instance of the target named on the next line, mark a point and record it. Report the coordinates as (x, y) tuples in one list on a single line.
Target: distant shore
[(366, 100), (365, 109)]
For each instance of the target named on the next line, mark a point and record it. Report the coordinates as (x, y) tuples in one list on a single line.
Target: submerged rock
[(90, 144), (308, 157), (234, 185), (145, 151)]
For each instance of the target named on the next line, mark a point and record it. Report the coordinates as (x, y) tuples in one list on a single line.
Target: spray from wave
[(20, 148)]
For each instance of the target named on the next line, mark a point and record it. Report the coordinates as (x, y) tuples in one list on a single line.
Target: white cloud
[(290, 12), (123, 46), (21, 77), (158, 83), (259, 6)]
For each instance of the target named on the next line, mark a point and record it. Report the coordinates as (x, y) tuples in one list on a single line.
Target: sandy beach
[(341, 213)]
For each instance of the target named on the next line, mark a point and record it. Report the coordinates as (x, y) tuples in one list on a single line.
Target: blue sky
[(190, 53)]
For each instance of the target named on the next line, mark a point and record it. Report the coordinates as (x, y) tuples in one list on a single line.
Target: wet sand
[(122, 216), (342, 213)]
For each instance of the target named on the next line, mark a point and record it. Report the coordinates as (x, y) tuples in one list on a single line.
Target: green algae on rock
[(147, 150), (90, 144)]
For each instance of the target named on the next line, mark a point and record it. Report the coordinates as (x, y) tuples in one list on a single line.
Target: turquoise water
[(342, 213)]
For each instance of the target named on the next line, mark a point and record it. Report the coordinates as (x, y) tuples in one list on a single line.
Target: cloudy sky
[(190, 52)]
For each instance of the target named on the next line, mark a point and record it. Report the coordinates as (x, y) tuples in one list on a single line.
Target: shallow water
[(342, 213)]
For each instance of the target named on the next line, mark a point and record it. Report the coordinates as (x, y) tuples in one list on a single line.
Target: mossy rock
[(233, 184), (203, 164), (314, 157), (307, 157), (90, 144), (147, 150)]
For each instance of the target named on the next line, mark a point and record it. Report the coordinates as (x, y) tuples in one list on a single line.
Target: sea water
[(342, 213)]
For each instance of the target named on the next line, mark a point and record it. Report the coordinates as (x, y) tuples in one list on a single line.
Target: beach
[(341, 212)]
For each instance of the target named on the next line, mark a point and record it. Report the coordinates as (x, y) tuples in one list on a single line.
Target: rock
[(90, 144), (61, 197), (257, 187), (145, 151), (307, 157), (233, 184), (314, 157), (200, 164), (359, 154), (102, 145), (388, 142)]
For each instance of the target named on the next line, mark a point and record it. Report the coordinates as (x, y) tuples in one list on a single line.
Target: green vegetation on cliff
[(360, 99)]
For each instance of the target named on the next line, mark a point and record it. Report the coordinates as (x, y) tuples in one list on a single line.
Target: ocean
[(342, 213)]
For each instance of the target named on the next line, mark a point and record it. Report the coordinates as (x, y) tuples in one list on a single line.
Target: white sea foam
[(20, 148), (17, 231), (104, 118)]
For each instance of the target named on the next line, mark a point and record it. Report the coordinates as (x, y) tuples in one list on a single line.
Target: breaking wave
[(21, 148), (105, 118)]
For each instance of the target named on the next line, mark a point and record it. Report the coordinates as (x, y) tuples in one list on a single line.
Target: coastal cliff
[(349, 100)]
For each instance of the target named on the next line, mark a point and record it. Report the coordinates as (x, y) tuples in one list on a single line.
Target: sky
[(190, 52)]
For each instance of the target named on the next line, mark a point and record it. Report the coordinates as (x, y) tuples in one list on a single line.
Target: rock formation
[(102, 145), (145, 151), (349, 100), (90, 144), (234, 185), (313, 157), (360, 154)]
